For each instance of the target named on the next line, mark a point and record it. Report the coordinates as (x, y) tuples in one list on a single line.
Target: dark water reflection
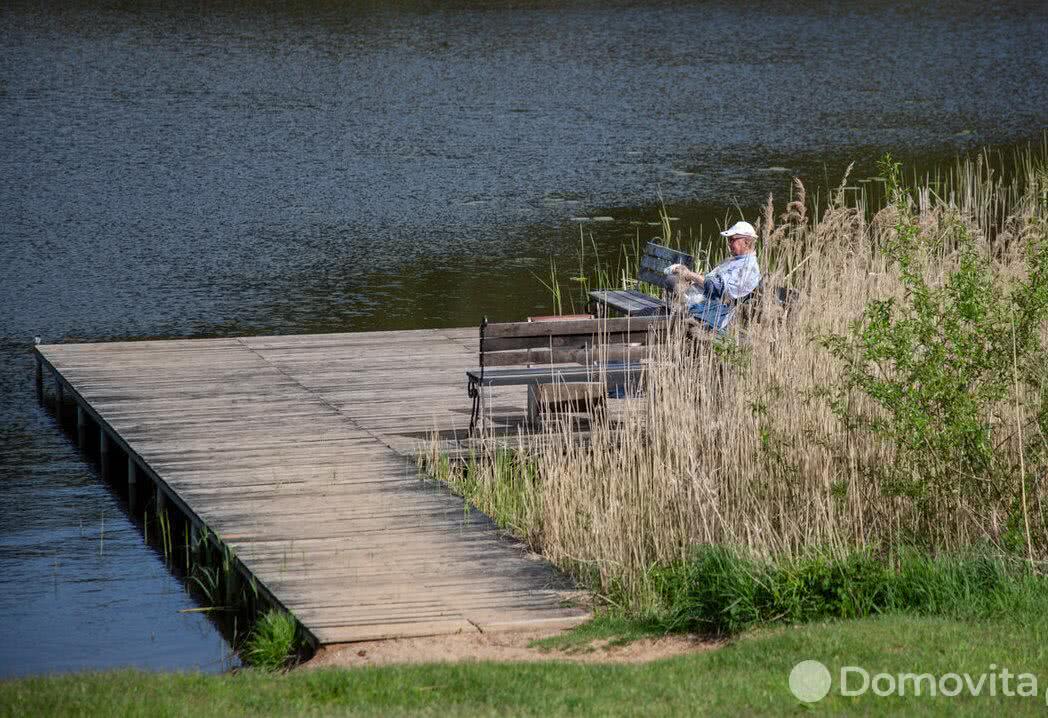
[(247, 169)]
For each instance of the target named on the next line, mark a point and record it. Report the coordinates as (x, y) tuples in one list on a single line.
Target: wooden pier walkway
[(299, 453)]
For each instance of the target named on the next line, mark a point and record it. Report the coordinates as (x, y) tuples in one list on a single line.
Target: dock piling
[(39, 380), (104, 451), (230, 583), (132, 482), (81, 427)]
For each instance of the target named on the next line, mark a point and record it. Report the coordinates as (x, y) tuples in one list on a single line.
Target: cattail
[(796, 211), (768, 221)]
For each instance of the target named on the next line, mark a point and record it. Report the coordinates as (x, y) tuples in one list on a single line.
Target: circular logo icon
[(810, 681)]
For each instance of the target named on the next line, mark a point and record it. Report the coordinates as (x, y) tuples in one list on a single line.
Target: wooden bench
[(635, 303), (607, 352), (752, 305)]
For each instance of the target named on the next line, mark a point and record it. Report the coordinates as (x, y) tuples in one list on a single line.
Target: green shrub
[(944, 367), (273, 641)]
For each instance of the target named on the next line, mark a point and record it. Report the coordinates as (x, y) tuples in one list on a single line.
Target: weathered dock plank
[(298, 452)]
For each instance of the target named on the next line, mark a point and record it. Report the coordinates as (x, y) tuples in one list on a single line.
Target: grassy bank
[(720, 592), (748, 676)]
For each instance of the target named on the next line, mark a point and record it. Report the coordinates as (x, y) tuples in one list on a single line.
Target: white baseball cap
[(740, 228)]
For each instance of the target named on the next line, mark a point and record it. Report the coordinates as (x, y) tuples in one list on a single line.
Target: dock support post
[(81, 427), (104, 451), (195, 539), (231, 583), (59, 400), (132, 482), (39, 380)]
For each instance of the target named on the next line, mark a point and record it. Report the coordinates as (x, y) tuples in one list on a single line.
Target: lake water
[(309, 167)]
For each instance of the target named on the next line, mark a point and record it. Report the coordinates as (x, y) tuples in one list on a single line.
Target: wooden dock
[(299, 453)]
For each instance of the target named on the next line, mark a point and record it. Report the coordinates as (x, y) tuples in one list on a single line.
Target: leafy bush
[(944, 367)]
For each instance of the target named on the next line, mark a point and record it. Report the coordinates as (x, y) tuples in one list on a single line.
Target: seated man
[(712, 298)]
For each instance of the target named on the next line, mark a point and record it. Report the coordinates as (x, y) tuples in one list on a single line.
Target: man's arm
[(686, 274)]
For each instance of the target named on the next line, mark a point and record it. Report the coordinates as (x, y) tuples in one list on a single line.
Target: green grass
[(272, 642), (747, 676), (721, 592), (607, 628)]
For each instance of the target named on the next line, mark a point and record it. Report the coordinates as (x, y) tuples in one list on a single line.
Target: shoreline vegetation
[(860, 482), (881, 448)]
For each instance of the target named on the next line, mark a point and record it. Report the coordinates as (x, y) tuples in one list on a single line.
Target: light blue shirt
[(715, 301)]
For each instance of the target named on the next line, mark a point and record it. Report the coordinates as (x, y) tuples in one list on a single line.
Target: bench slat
[(588, 355), (655, 264), (630, 302), (635, 295), (568, 341), (615, 375), (674, 256), (656, 279), (568, 327)]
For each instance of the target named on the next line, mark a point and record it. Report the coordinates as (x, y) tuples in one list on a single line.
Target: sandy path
[(499, 646)]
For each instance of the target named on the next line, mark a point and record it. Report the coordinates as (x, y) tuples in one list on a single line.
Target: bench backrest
[(579, 341), (655, 260)]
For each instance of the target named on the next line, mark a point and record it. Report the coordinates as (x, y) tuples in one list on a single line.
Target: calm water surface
[(330, 167)]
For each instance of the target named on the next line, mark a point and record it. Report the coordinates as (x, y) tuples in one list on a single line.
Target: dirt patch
[(500, 646)]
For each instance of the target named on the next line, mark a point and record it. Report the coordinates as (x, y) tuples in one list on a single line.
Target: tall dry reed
[(739, 444)]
